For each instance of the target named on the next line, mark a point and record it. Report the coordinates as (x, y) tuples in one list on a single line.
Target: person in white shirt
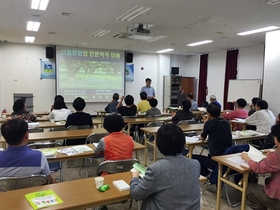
[(60, 111), (263, 118), (194, 104)]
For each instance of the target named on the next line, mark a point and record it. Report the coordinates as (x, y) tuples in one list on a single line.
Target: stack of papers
[(121, 185), (50, 152), (192, 139), (202, 109), (33, 124), (75, 150)]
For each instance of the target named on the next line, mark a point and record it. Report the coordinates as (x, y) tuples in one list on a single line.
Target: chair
[(133, 130), (54, 166), (213, 179), (76, 141), (150, 139), (154, 116), (92, 138), (14, 183), (117, 166)]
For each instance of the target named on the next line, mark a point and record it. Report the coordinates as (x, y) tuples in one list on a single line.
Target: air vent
[(51, 32), (120, 36), (272, 2), (67, 14), (35, 15)]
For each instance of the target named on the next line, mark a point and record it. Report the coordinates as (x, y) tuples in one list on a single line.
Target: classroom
[(105, 26)]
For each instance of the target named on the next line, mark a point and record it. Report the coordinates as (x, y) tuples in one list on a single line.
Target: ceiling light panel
[(39, 4), (133, 13), (82, 44), (29, 39), (33, 26), (205, 22), (199, 43), (100, 33), (166, 50), (259, 30), (156, 38)]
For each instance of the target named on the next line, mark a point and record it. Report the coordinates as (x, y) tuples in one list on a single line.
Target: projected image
[(92, 74), (76, 74)]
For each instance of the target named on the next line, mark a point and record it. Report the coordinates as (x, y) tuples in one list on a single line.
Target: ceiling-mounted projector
[(141, 29)]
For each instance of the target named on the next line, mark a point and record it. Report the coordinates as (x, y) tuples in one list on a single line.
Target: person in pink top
[(267, 197)]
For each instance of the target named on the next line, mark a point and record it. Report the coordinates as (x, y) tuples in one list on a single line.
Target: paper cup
[(52, 120), (99, 181), (237, 133)]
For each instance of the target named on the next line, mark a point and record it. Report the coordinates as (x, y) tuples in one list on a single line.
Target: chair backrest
[(78, 127), (95, 138), (14, 183), (155, 124), (116, 166), (57, 129), (186, 122), (35, 130), (43, 145)]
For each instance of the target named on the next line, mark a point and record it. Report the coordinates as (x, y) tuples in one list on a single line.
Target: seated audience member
[(213, 99), (184, 114), (117, 145), (154, 111), (60, 111), (267, 197), (144, 104), (19, 109), (262, 118), (194, 104), (219, 138), (58, 97), (240, 112), (171, 183), (112, 106), (253, 105), (77, 119), (129, 109), (19, 160)]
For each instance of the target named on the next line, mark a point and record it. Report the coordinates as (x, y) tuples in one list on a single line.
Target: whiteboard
[(243, 88)]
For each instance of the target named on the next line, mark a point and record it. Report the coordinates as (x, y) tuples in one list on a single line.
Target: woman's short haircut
[(79, 104), (143, 95), (153, 102), (116, 96), (241, 102), (187, 104), (214, 110), (59, 104), (262, 104), (58, 97), (14, 130), (129, 100), (275, 131), (113, 123), (18, 105), (170, 139), (190, 95), (255, 100)]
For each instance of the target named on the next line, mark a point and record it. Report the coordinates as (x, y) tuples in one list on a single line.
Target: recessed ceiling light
[(39, 4), (33, 26), (133, 13), (200, 43), (166, 50), (268, 28), (100, 33), (30, 39), (205, 22), (82, 44), (156, 38)]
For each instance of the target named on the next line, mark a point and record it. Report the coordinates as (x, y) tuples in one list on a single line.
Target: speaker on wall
[(129, 57), (49, 52)]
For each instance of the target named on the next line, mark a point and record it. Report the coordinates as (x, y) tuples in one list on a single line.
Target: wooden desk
[(48, 124), (77, 194), (153, 130), (191, 146), (61, 156), (34, 113), (67, 134), (223, 161), (162, 115), (131, 121), (100, 114)]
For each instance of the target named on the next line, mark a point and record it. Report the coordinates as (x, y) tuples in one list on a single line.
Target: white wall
[(179, 61), (20, 73), (216, 75), (271, 90)]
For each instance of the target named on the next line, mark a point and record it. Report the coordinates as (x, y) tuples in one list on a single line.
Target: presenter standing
[(151, 93)]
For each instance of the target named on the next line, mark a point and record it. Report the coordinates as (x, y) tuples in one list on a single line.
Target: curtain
[(231, 72), (202, 85)]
